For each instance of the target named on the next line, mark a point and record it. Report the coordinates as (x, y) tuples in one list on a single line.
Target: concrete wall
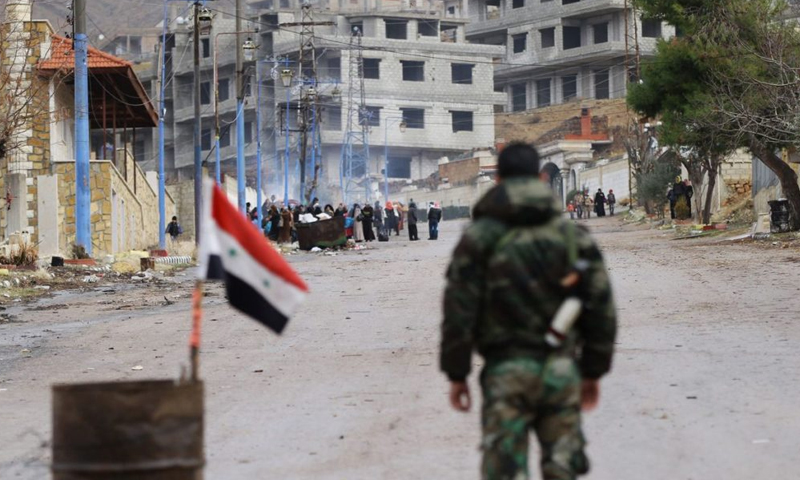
[(447, 196), (608, 176)]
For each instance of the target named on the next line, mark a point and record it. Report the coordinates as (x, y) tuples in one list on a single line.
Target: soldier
[(510, 273)]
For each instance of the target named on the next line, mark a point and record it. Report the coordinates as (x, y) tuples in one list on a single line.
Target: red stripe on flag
[(231, 220)]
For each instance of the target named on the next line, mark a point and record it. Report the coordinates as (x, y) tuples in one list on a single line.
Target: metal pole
[(313, 185), (83, 227), (240, 168), (386, 160), (198, 152), (286, 151), (259, 200), (217, 167), (162, 203)]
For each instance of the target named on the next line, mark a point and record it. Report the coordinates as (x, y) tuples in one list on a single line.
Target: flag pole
[(194, 339)]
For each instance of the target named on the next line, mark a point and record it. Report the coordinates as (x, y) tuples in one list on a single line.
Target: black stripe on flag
[(245, 298)]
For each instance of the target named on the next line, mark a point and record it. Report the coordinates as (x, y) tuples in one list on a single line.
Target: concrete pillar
[(47, 206), (564, 186)]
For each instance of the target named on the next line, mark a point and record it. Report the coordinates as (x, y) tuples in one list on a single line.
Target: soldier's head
[(518, 160)]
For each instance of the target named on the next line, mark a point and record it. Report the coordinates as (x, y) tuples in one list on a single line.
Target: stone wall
[(460, 172), (121, 218), (30, 158)]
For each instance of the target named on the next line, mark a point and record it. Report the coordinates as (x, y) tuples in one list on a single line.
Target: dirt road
[(704, 385)]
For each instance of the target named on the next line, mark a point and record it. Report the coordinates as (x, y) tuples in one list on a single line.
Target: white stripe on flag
[(282, 295)]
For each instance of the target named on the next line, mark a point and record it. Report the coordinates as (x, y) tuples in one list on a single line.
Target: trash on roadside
[(137, 368), (91, 279), (316, 250)]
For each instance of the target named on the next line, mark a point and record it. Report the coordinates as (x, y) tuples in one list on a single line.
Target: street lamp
[(249, 48), (286, 77), (389, 121), (204, 18)]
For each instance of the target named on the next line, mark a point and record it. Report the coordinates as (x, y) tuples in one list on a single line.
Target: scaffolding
[(355, 147)]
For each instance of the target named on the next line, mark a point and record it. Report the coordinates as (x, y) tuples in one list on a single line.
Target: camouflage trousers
[(524, 394)]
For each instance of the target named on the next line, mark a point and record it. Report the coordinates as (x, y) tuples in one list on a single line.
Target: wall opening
[(396, 29), (572, 37), (372, 68), (543, 93), (600, 31), (462, 121), (428, 28), (462, 73), (519, 97), (569, 87), (519, 42), (601, 84), (399, 167), (413, 71), (414, 117), (548, 36)]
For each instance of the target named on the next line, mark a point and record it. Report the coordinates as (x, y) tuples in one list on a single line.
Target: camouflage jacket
[(503, 284)]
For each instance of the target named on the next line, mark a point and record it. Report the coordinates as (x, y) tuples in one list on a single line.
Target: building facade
[(557, 51), (428, 93)]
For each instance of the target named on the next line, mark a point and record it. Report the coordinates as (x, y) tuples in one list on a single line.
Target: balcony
[(546, 59)]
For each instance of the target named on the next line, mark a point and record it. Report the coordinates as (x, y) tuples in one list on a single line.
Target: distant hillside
[(105, 16)]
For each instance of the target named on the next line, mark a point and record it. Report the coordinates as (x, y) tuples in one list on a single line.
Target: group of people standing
[(680, 191), (378, 222), (582, 204)]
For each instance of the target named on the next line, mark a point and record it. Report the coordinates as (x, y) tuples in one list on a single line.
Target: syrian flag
[(259, 282)]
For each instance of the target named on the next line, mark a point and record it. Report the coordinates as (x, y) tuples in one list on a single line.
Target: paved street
[(704, 385)]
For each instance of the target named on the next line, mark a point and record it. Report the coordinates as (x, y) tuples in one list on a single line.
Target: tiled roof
[(62, 57)]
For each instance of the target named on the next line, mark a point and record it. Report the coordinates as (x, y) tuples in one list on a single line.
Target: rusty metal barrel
[(128, 430)]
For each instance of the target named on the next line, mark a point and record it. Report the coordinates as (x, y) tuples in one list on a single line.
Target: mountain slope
[(105, 16)]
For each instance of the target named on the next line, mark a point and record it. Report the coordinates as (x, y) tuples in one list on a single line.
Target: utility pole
[(307, 108), (198, 152), (83, 227), (355, 147), (162, 205), (240, 169), (306, 67)]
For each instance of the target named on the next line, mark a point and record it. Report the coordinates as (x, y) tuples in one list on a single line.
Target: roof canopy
[(116, 96)]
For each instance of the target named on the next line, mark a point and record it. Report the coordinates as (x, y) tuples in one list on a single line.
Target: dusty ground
[(704, 386)]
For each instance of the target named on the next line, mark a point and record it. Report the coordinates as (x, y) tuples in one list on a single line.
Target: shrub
[(682, 211), (25, 255)]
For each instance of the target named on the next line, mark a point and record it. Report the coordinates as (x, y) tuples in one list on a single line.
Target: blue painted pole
[(162, 203), (240, 172), (259, 200), (286, 151), (217, 167), (386, 160), (83, 227)]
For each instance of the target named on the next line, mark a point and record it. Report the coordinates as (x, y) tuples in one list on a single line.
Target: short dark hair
[(518, 160), (174, 218)]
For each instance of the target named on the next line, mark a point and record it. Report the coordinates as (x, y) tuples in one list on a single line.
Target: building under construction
[(403, 85), (561, 50)]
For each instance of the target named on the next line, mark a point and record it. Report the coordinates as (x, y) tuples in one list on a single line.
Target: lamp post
[(202, 19), (286, 81), (162, 112), (259, 210), (248, 49), (388, 121)]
